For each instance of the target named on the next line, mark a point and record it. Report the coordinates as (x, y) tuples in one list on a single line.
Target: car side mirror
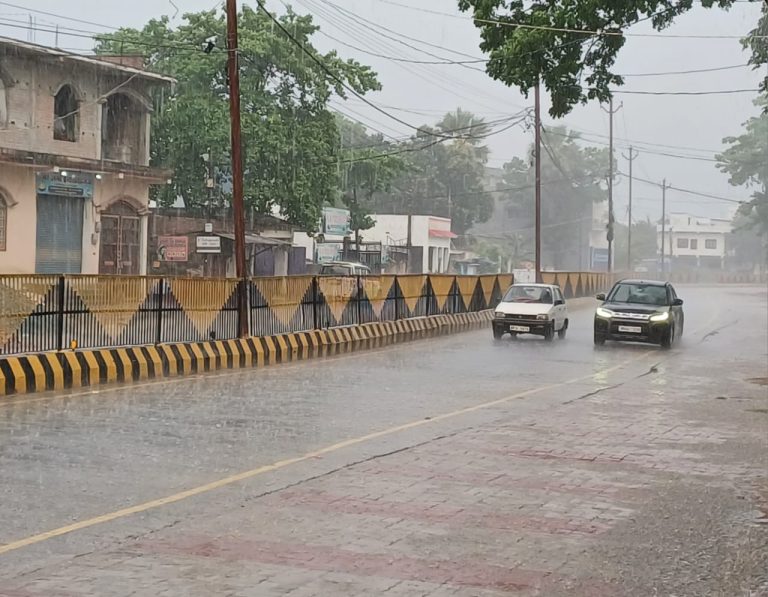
[(559, 302), (677, 302), (600, 297)]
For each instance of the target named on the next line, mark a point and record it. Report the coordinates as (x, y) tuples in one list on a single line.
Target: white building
[(693, 242), (430, 240)]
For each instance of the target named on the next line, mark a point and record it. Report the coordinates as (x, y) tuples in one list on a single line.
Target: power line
[(685, 93), (352, 27), (329, 72), (394, 58), (686, 72), (102, 37), (430, 144), (59, 16), (629, 142), (587, 32), (687, 191), (413, 39)]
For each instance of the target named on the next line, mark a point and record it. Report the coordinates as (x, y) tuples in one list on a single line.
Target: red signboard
[(172, 248)]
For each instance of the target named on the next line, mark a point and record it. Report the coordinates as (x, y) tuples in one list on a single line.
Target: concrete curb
[(74, 369)]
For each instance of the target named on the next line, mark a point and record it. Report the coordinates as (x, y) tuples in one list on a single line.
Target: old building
[(74, 161), (692, 242)]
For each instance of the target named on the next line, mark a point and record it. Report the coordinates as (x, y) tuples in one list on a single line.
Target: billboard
[(335, 221), (172, 248), (599, 259)]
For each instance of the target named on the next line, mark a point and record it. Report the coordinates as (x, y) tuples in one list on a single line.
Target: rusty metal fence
[(41, 313)]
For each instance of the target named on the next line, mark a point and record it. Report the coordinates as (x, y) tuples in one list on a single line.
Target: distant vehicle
[(344, 268), (531, 309), (640, 311)]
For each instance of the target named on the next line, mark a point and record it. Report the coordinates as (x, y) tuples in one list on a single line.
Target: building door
[(119, 252), (59, 243)]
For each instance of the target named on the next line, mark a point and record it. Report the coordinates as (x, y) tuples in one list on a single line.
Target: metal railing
[(41, 313)]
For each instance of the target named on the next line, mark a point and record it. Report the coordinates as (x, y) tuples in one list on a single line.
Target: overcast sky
[(418, 94)]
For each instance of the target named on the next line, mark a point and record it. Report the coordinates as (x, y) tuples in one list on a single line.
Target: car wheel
[(563, 330), (549, 333), (498, 333), (669, 338), (599, 339)]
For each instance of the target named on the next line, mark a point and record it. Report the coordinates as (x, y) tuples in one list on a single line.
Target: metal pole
[(238, 210), (610, 187), (663, 225), (611, 220), (537, 158), (631, 158)]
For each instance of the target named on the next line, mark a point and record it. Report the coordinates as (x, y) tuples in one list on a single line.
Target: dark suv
[(640, 311)]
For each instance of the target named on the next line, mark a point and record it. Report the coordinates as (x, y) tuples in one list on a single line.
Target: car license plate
[(519, 328), (630, 329)]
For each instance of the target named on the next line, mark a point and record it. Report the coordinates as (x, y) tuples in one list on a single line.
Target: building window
[(3, 222), (694, 244), (65, 115), (123, 130), (710, 243), (682, 243)]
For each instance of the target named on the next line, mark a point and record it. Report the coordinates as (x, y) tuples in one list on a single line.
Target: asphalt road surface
[(450, 466)]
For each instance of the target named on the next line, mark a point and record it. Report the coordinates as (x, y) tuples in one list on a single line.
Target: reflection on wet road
[(70, 458)]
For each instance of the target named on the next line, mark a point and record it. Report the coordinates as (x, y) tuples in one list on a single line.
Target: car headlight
[(660, 316), (499, 314), (543, 316), (602, 312)]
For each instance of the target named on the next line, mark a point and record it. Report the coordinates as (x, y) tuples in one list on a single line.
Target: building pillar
[(144, 244)]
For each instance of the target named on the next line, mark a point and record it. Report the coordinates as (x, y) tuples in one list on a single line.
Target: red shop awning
[(442, 233)]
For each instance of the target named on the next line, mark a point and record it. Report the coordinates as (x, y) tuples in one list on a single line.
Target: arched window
[(65, 115), (3, 222)]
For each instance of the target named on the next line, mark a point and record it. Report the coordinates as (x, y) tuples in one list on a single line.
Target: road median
[(62, 370)]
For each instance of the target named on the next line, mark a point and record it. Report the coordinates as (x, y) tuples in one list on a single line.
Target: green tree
[(290, 138), (573, 180), (369, 165), (444, 173), (746, 163), (552, 41), (644, 244)]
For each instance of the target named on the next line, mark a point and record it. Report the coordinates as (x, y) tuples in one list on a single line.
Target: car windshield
[(642, 294), (336, 270), (528, 294)]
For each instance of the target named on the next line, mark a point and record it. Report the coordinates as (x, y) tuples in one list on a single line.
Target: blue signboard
[(599, 259), (65, 184)]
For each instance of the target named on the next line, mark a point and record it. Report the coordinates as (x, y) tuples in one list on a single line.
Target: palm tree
[(468, 129)]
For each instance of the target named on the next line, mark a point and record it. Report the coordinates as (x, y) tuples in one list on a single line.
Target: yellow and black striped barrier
[(81, 368)]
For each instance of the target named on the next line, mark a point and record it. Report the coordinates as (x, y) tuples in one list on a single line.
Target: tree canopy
[(290, 139), (746, 163), (572, 46), (573, 180), (444, 173)]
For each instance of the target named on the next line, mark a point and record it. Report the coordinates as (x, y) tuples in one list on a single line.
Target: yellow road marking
[(208, 487)]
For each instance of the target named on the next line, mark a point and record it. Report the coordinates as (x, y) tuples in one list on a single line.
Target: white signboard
[(208, 244)]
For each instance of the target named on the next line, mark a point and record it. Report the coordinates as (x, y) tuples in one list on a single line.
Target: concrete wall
[(30, 107), (17, 184)]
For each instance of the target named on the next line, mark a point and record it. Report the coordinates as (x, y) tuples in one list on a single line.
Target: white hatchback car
[(531, 309)]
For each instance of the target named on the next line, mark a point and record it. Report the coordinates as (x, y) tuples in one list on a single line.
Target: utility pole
[(611, 219), (238, 210), (537, 158), (631, 158), (663, 226)]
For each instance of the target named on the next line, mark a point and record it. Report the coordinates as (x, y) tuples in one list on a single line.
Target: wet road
[(97, 471)]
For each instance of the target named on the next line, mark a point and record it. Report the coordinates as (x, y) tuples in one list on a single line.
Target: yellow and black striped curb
[(75, 369)]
